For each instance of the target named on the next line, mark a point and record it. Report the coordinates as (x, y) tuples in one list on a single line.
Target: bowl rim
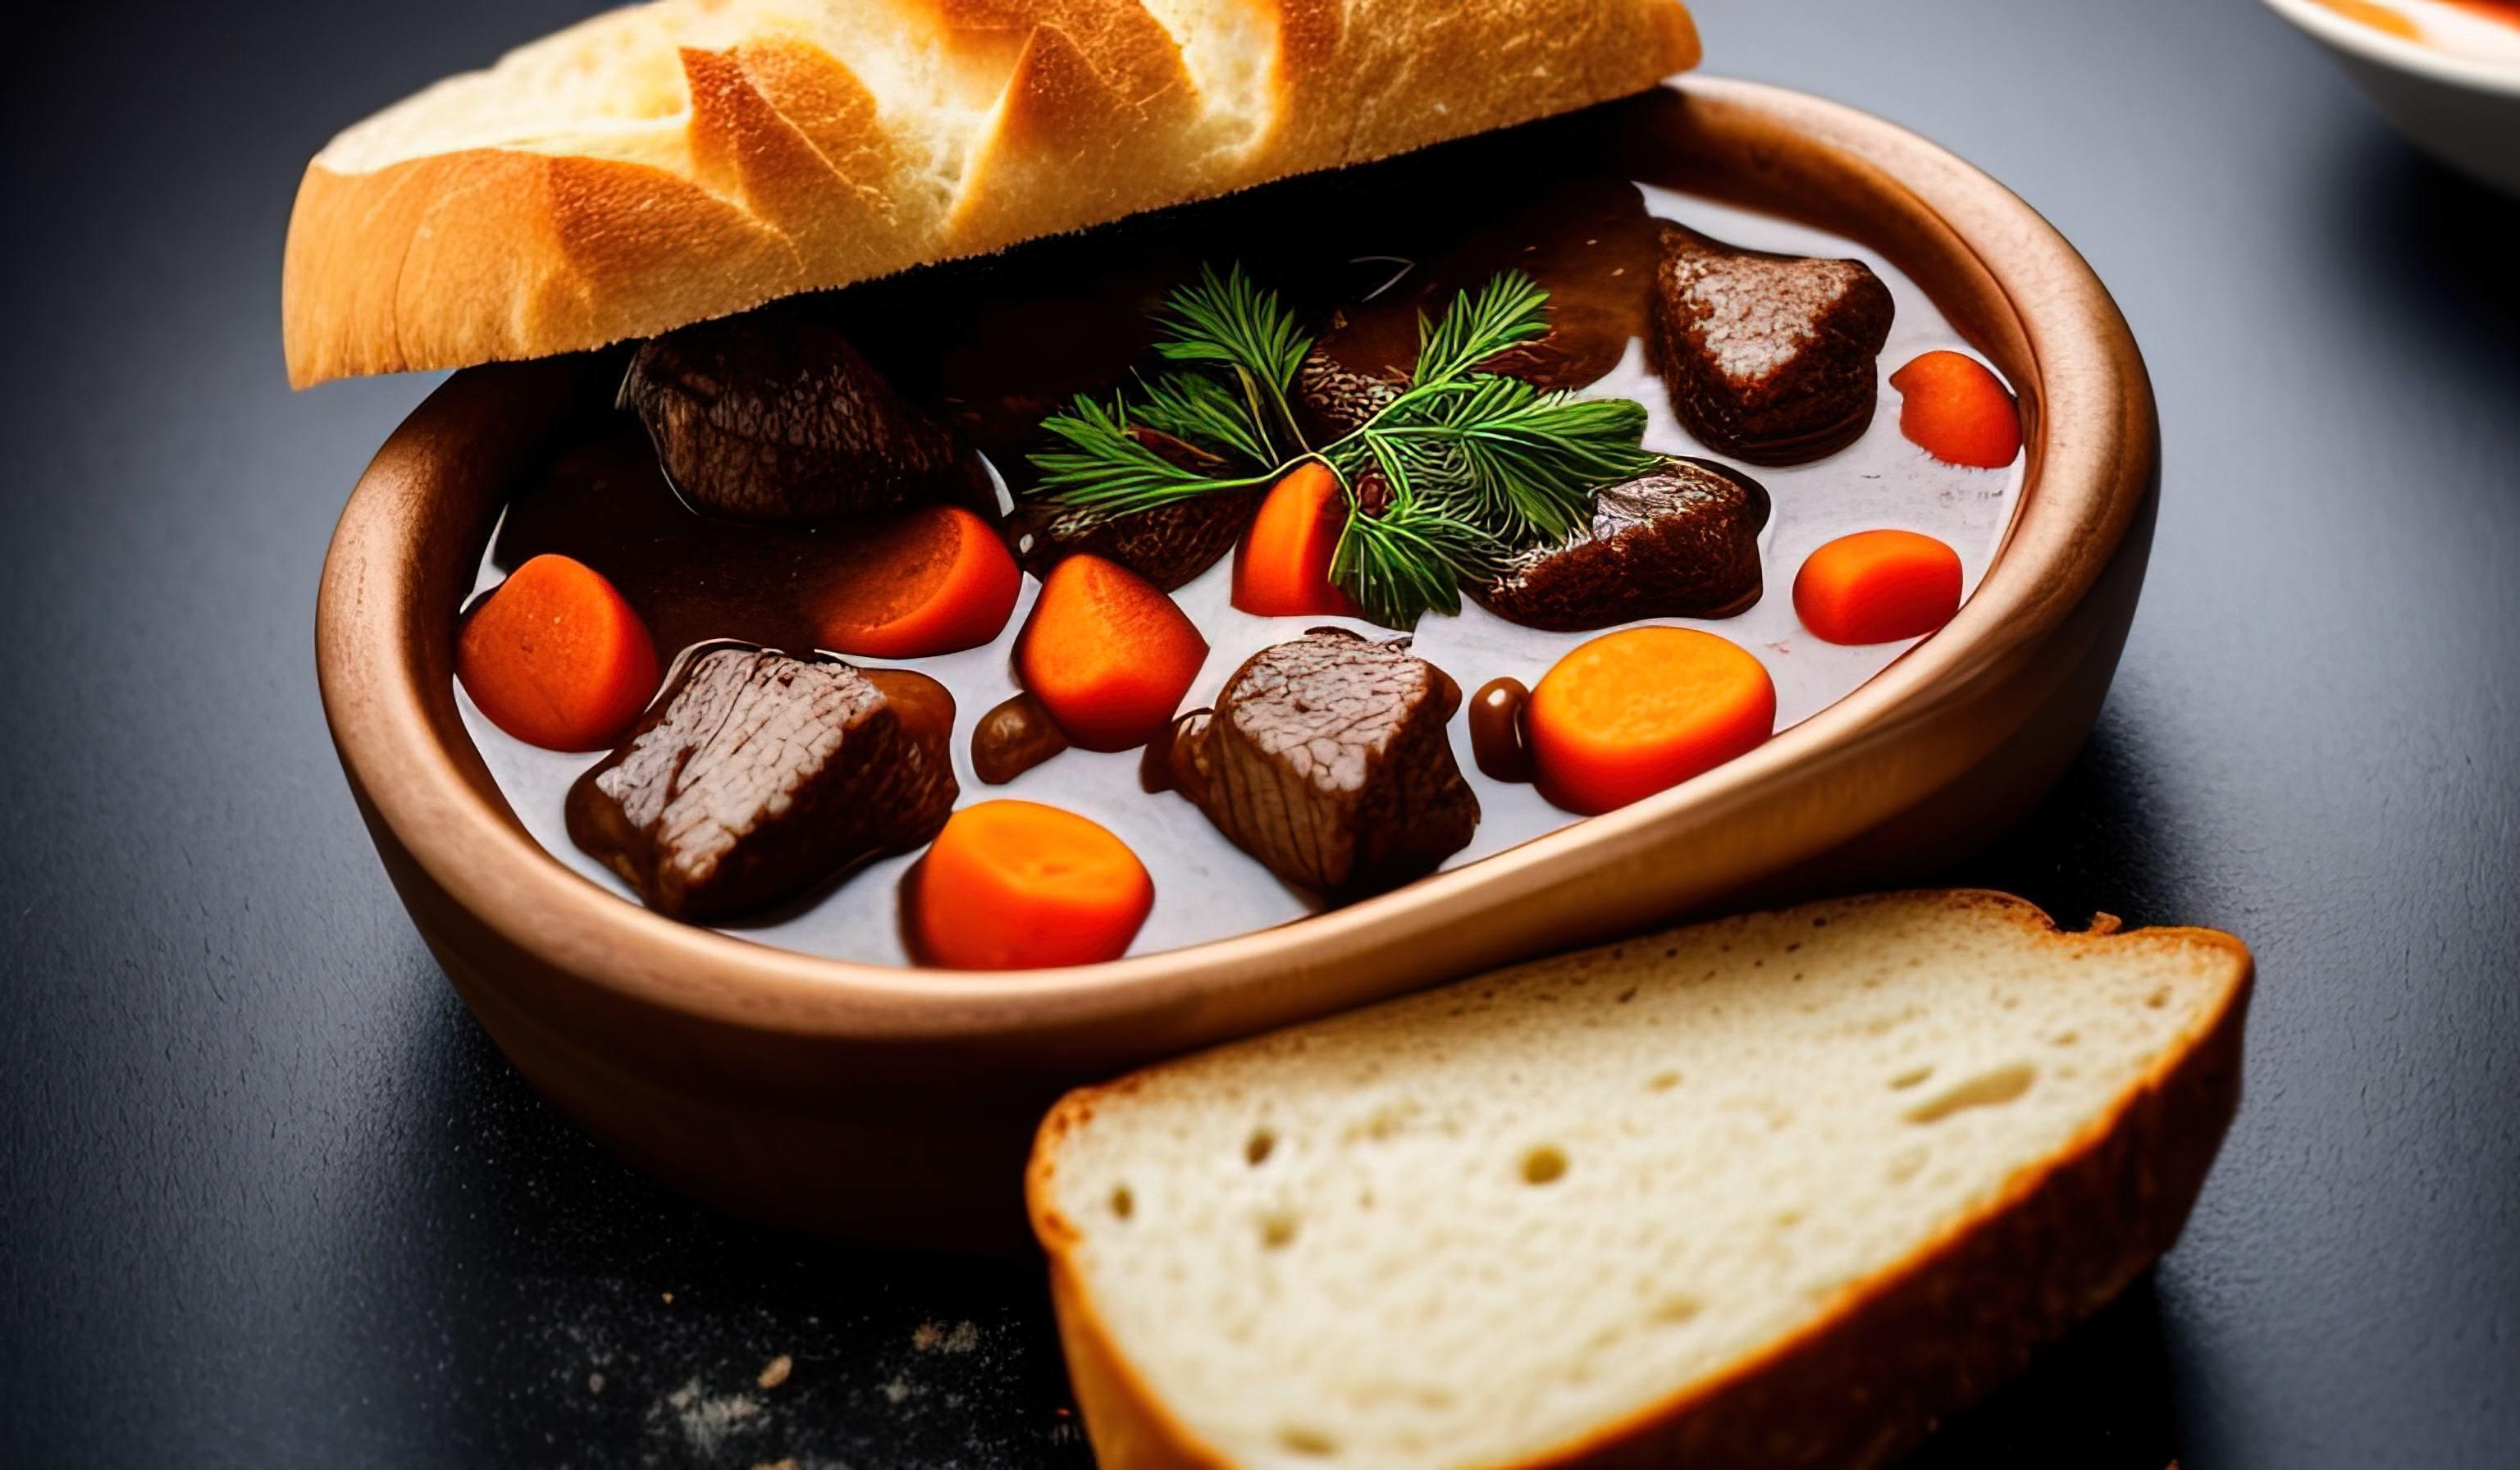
[(2090, 441), (2396, 53)]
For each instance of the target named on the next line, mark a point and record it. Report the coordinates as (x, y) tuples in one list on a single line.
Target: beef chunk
[(1169, 545), (1768, 358), (774, 416), (1327, 758), (1681, 542), (756, 775), (1587, 242), (1338, 387)]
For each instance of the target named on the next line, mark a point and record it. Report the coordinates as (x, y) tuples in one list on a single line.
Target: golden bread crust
[(574, 196)]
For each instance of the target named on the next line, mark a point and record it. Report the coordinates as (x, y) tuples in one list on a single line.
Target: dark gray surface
[(273, 1200)]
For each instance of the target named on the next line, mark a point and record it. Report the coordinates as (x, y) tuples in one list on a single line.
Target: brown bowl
[(896, 1104)]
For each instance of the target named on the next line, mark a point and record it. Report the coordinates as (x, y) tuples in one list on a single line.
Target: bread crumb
[(789, 1463), (896, 1391), (595, 1383), (707, 1421), (2104, 924), (668, 1296), (934, 1337), (775, 1372)]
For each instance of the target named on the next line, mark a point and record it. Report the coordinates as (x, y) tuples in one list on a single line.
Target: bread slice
[(1772, 1190), (688, 159)]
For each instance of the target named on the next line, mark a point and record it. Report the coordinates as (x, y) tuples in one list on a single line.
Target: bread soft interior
[(1472, 1226)]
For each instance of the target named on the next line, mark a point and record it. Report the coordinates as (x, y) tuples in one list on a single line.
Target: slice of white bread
[(686, 159), (1772, 1190)]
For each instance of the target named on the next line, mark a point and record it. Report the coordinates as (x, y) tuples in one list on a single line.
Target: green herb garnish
[(1465, 468)]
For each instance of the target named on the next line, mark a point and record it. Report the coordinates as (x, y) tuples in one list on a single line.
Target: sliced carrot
[(937, 580), (1107, 653), (1878, 587), (1951, 407), (554, 656), (1012, 885), (1630, 713), (1283, 568)]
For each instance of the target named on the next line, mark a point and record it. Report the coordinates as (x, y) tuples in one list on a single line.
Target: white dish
[(2456, 94)]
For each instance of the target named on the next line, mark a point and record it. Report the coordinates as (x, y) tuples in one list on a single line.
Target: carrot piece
[(555, 657), (1628, 714), (935, 581), (1283, 568), (1013, 885), (1877, 587), (1106, 653), (1951, 407)]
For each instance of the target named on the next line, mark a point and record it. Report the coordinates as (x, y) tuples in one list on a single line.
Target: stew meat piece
[(1168, 545), (1767, 358), (756, 775), (772, 415), (1327, 759), (1681, 542), (1588, 242)]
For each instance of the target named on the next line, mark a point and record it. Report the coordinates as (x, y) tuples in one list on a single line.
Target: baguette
[(683, 159), (1774, 1191)]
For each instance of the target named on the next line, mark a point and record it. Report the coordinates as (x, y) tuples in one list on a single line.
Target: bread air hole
[(1303, 1439), (1544, 1165), (1676, 1309), (1257, 1149), (1663, 1082), (1276, 1231), (1123, 1203), (1986, 1089), (1910, 1078)]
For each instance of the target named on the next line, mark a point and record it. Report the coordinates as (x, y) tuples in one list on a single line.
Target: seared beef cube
[(1169, 545), (774, 416), (1587, 242), (1338, 388), (1327, 758), (1681, 542), (756, 775), (1767, 358)]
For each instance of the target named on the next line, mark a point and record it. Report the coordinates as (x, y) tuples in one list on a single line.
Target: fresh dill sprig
[(1110, 470), (1230, 322), (1469, 466), (1199, 409)]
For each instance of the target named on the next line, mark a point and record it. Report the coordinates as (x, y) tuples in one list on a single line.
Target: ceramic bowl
[(896, 1104), (2463, 108)]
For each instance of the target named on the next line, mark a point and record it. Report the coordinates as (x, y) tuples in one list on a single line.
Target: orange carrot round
[(1878, 587), (1951, 407), (1012, 885), (934, 581), (1107, 653), (1283, 568), (1628, 714), (554, 657)]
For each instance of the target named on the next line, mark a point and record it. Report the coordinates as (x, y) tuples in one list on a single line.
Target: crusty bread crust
[(1869, 1380), (780, 166)]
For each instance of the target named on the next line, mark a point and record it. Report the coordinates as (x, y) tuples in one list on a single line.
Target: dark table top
[(272, 1199)]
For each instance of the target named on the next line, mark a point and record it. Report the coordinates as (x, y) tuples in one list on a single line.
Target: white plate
[(2456, 94)]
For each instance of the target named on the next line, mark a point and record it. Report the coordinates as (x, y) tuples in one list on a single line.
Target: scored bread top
[(682, 160), (1548, 1213)]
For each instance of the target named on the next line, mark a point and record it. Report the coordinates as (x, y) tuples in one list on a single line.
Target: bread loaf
[(689, 158), (1775, 1190)]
